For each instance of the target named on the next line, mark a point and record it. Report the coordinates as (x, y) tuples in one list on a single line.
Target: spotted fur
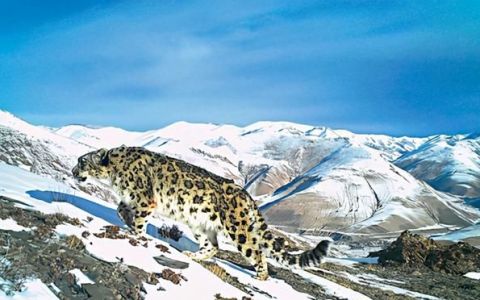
[(150, 182)]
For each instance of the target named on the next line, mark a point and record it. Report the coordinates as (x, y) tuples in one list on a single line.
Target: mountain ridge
[(333, 172)]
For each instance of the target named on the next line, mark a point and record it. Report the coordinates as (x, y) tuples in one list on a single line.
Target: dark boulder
[(415, 251), (458, 258)]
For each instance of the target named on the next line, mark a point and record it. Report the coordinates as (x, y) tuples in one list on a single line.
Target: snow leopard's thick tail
[(276, 248)]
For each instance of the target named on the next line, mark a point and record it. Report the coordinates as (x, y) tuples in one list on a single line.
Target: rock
[(133, 279), (73, 242), (459, 259), (112, 229), (111, 232), (416, 273), (50, 260), (414, 251), (171, 263), (408, 248), (170, 275), (162, 248), (96, 291), (220, 297), (152, 279)]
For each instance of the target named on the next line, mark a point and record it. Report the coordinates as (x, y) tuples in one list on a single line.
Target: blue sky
[(395, 67)]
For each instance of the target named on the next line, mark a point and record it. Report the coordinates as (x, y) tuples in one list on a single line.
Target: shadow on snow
[(107, 214)]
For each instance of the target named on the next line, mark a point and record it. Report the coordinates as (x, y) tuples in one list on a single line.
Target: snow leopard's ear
[(102, 157)]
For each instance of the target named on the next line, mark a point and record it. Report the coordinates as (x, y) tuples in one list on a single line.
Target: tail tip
[(323, 247)]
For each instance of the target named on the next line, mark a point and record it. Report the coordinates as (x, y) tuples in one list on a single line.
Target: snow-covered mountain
[(263, 156), (103, 137), (324, 178), (447, 163), (304, 176), (55, 142), (36, 148), (355, 189)]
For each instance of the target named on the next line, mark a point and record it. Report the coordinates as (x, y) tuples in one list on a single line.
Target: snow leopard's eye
[(83, 162)]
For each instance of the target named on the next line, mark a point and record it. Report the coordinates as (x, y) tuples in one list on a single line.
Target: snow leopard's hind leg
[(208, 244)]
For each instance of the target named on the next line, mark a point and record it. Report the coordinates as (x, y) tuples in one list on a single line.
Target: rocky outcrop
[(414, 250)]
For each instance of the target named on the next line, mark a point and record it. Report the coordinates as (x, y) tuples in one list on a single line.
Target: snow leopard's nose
[(76, 175)]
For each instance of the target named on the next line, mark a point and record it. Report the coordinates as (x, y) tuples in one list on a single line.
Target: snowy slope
[(390, 147), (447, 163), (39, 150), (104, 137), (18, 149), (36, 148), (356, 189), (56, 143), (472, 231)]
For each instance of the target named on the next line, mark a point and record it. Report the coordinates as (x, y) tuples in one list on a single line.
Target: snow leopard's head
[(92, 164)]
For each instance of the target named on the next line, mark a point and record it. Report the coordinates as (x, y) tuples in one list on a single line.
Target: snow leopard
[(209, 204)]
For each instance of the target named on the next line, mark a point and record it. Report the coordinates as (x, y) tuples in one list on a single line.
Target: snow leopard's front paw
[(126, 214)]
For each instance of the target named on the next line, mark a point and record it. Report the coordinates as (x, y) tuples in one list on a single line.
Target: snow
[(278, 289), (57, 143), (142, 257), (80, 278), (105, 137), (10, 224), (448, 163), (352, 261), (361, 186), (473, 275), (460, 234), (332, 288), (34, 289), (384, 284), (249, 144)]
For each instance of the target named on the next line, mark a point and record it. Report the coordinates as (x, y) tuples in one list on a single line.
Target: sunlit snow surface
[(473, 275), (35, 289), (461, 234), (10, 224), (448, 163), (56, 143), (80, 278), (383, 284)]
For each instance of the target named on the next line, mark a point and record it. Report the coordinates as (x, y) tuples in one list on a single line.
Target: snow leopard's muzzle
[(77, 176)]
